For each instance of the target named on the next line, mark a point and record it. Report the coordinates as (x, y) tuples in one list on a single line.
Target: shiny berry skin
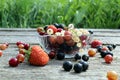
[(67, 65), (60, 56), (91, 32), (91, 52), (104, 48), (20, 58), (78, 67), (112, 75), (85, 65), (56, 25), (22, 51), (85, 57), (13, 62), (61, 26), (99, 48), (108, 59), (59, 29), (52, 54), (110, 47), (77, 57), (104, 53), (18, 43), (26, 46), (3, 46), (96, 43)]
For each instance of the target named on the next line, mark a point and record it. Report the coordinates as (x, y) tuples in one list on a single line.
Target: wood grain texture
[(54, 71)]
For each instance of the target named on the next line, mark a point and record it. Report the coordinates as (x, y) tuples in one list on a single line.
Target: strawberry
[(36, 56)]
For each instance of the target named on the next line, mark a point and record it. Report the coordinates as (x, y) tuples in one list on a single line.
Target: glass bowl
[(68, 44)]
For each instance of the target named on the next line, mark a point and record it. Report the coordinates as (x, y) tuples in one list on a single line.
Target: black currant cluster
[(77, 67), (81, 65), (83, 57), (104, 52)]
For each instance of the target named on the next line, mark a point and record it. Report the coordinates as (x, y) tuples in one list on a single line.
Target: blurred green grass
[(82, 13)]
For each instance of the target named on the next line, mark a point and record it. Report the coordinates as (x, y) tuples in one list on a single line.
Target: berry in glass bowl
[(67, 40)]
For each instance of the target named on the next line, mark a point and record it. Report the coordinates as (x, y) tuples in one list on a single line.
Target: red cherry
[(13, 62), (108, 58), (96, 43)]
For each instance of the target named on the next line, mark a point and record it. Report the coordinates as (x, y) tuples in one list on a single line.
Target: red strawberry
[(37, 56)]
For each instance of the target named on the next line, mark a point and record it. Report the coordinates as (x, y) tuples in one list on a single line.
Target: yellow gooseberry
[(112, 75), (91, 52)]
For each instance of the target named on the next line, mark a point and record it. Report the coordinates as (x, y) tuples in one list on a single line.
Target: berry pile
[(104, 50), (63, 40), (35, 55), (20, 57), (77, 67)]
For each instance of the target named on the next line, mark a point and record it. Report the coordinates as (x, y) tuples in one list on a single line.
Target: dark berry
[(103, 54), (60, 55), (110, 47), (99, 48), (45, 28), (77, 57), (67, 65), (61, 26), (85, 57), (85, 65), (110, 53), (56, 25), (114, 46), (78, 67), (91, 32), (52, 54)]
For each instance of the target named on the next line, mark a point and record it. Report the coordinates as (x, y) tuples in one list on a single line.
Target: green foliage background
[(82, 13)]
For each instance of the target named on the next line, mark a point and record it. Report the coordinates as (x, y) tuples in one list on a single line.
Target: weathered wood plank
[(97, 69)]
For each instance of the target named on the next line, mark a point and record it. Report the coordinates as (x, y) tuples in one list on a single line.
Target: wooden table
[(53, 71)]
